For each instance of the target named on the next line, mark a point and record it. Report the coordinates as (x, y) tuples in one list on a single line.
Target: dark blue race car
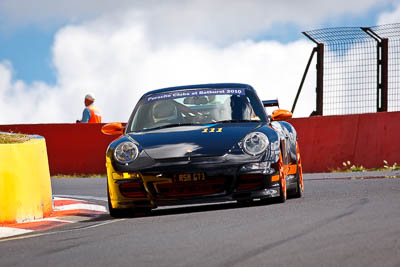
[(201, 143)]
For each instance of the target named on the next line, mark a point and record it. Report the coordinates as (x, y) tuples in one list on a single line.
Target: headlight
[(126, 152), (255, 143)]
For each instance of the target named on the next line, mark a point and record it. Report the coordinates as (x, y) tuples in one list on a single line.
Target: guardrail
[(325, 142)]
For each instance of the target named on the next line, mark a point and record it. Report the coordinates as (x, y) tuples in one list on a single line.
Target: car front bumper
[(160, 187)]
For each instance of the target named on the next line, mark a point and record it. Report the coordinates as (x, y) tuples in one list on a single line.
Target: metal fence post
[(357, 69), (384, 74), (303, 78), (382, 48), (320, 78), (320, 74)]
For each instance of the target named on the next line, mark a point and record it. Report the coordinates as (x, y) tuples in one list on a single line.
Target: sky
[(54, 52)]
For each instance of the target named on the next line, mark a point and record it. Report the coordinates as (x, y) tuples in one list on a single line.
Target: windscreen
[(195, 107)]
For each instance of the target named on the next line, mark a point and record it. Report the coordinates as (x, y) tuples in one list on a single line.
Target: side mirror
[(281, 115), (113, 128)]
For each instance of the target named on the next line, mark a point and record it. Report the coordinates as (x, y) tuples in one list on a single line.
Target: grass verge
[(349, 167), (9, 138)]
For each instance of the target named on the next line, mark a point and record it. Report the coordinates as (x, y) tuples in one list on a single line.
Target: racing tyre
[(282, 182), (299, 175)]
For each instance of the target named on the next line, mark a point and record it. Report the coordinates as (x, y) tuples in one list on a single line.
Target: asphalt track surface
[(342, 220)]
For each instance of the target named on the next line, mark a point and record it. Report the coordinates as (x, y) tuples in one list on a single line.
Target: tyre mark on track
[(354, 178), (353, 208)]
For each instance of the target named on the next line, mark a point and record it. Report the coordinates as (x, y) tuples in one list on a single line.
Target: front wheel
[(282, 182), (299, 174)]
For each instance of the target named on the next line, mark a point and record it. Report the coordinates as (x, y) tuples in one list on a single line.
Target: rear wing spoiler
[(270, 103)]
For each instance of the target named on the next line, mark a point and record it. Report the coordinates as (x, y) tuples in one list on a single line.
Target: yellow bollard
[(25, 186)]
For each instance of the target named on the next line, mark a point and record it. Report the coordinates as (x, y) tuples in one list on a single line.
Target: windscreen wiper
[(229, 121), (171, 125)]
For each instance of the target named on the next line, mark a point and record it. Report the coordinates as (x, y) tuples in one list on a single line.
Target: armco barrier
[(325, 142), (25, 189)]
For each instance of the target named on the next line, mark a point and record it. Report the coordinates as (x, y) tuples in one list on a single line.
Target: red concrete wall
[(363, 139), (72, 148), (325, 142)]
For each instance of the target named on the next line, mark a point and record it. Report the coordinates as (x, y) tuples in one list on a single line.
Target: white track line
[(63, 231), (80, 197), (49, 219), (8, 231), (81, 207)]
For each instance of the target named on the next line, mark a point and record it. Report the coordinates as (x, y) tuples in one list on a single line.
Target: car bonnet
[(199, 140)]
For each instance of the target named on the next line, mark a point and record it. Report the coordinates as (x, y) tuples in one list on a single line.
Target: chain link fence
[(392, 33), (360, 69)]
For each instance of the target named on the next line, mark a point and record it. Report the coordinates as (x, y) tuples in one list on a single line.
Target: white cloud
[(118, 61), (389, 17), (121, 51), (22, 103), (217, 20)]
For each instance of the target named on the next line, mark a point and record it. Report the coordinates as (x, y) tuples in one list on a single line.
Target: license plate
[(191, 177)]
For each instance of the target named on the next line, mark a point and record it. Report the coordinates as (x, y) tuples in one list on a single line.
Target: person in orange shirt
[(90, 114)]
